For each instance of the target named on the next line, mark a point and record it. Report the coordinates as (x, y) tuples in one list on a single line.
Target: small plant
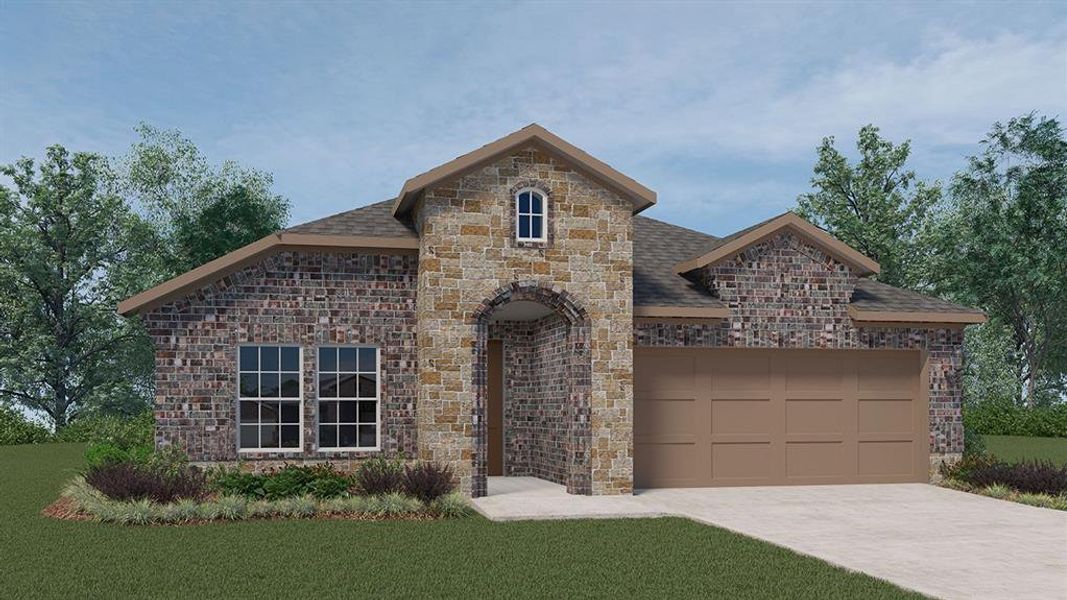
[(130, 481), (452, 506), (235, 482), (428, 481), (996, 490), (393, 504), (1035, 477), (380, 475)]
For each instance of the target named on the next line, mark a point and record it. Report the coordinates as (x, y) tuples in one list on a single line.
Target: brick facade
[(468, 253), (786, 293), (537, 413), (298, 298)]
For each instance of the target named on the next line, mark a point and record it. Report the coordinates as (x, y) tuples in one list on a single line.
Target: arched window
[(530, 211)]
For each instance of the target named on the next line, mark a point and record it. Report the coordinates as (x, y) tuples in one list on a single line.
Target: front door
[(495, 408)]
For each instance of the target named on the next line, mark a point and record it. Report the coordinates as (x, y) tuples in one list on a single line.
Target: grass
[(463, 558), (1014, 448)]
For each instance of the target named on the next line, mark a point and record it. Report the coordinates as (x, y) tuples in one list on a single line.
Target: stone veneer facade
[(786, 293), (298, 298), (469, 254)]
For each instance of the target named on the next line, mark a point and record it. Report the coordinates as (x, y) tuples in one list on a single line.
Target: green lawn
[(469, 558), (1016, 447)]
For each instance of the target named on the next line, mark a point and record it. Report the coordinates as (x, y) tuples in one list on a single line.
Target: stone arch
[(577, 435)]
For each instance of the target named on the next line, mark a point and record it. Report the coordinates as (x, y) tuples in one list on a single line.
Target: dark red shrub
[(428, 481), (380, 476), (1035, 477), (129, 481)]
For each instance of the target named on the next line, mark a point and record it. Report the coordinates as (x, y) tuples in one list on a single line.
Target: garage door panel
[(886, 416), (741, 370), (811, 371), (669, 465), (665, 417), (886, 458), (813, 416), (741, 463), (741, 416), (720, 417), (815, 459), (665, 373), (885, 370)]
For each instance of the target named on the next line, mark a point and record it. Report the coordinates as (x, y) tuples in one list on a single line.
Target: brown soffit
[(834, 246), (682, 312), (238, 259), (532, 134), (926, 318)]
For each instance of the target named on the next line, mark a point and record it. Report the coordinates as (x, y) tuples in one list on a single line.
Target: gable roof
[(536, 135), (736, 242), (658, 246), (368, 227)]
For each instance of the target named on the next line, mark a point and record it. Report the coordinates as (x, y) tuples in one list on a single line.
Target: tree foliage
[(1000, 243), (64, 234), (199, 212), (876, 206)]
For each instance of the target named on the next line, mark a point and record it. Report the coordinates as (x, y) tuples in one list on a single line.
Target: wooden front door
[(495, 408)]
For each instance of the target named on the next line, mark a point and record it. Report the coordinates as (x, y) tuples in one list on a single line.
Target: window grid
[(348, 397), (530, 209), (268, 394)]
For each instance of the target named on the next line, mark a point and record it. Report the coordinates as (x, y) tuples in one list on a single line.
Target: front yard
[(1013, 448), (470, 558)]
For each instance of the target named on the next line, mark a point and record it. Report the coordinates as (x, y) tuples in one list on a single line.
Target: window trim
[(299, 399), (543, 215), (377, 401)]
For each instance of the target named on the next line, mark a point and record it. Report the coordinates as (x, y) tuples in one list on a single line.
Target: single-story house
[(510, 313)]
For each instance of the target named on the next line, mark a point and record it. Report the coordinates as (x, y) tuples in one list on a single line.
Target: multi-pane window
[(269, 397), (530, 216), (348, 397)]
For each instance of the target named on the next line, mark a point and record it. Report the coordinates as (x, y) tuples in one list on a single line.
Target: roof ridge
[(675, 226)]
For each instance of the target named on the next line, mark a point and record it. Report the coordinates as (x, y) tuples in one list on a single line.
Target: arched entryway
[(540, 335)]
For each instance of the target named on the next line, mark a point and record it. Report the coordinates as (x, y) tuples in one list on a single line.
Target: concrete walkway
[(936, 541)]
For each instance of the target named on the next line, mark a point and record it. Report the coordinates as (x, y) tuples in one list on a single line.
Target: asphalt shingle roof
[(881, 297), (658, 247), (373, 220)]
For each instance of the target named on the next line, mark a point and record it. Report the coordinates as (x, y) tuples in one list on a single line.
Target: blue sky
[(717, 107)]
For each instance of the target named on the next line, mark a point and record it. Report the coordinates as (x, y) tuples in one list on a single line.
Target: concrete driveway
[(936, 541)]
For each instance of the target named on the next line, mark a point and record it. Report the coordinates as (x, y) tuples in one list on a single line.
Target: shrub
[(235, 482), (452, 506), (428, 481), (380, 475), (1007, 418), (131, 481), (106, 453), (121, 431), (973, 442), (1034, 477), (961, 469), (320, 481), (17, 429)]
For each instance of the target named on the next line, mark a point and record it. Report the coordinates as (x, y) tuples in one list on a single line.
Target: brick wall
[(302, 298), (536, 393), (786, 293)]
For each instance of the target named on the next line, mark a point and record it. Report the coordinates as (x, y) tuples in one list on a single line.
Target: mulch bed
[(65, 509)]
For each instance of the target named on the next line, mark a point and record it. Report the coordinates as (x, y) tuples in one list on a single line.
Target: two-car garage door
[(719, 417)]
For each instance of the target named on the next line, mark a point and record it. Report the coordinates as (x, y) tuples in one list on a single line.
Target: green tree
[(199, 212), (876, 206), (63, 234), (1000, 242)]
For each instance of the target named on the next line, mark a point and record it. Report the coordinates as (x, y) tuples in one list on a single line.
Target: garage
[(731, 417)]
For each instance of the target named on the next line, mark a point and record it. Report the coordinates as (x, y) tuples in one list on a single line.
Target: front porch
[(530, 498)]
